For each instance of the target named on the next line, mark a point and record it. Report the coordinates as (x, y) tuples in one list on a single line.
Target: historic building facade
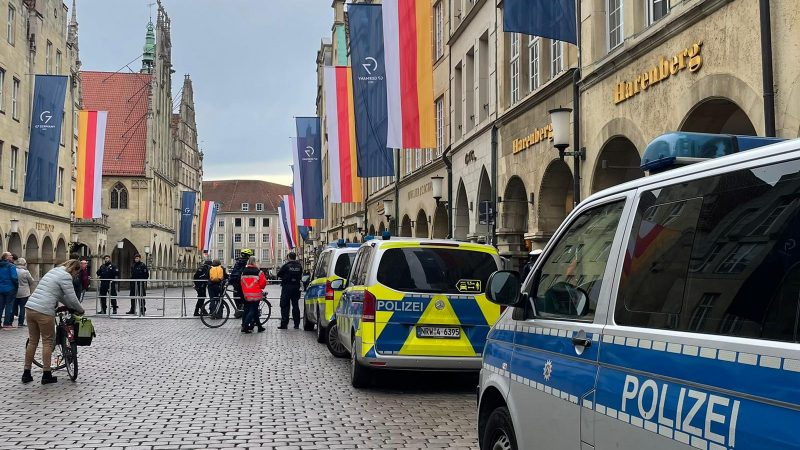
[(247, 217), (38, 38)]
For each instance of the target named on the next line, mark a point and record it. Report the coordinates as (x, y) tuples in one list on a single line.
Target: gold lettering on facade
[(45, 227), (538, 135), (688, 58), (420, 190)]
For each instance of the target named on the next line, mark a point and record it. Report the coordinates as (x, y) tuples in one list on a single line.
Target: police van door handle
[(581, 341)]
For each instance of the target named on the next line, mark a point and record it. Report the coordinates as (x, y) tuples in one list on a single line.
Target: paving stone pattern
[(175, 384)]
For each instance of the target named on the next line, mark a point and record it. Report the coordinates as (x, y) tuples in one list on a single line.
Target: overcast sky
[(252, 63)]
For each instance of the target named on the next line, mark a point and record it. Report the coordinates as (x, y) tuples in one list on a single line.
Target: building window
[(614, 23), (63, 126), (245, 207), (220, 254), (259, 207), (14, 156), (221, 238), (428, 155), (514, 68), (237, 237), (438, 36), (251, 222), (58, 62), (14, 97), (237, 222), (11, 24), (216, 205), (656, 9), (739, 258), (237, 253), (251, 238), (1, 164), (702, 312), (265, 254), (776, 212), (221, 223), (265, 238), (533, 58), (557, 60), (119, 196), (417, 159), (409, 163), (439, 126), (2, 89), (60, 186), (48, 57), (265, 222)]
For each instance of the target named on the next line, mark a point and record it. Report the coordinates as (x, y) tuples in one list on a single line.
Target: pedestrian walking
[(252, 283), (55, 287), (200, 286), (26, 285), (81, 281), (236, 276), (8, 290), (139, 271), (290, 275), (108, 274), (216, 276)]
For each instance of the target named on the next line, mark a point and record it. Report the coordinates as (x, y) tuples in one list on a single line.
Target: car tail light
[(328, 291), (368, 312)]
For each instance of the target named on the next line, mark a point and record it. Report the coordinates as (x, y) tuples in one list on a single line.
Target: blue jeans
[(250, 316), (7, 300), (19, 306)]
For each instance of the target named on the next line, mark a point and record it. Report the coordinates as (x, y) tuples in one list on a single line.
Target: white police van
[(663, 314)]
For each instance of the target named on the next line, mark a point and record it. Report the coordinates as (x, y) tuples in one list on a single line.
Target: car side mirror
[(339, 284), (503, 288)]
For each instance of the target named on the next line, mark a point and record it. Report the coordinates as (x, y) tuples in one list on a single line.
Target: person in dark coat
[(290, 275), (138, 288), (200, 285), (236, 277), (108, 272), (216, 278)]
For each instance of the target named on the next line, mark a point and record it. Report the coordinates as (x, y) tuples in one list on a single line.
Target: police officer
[(235, 279), (108, 272), (290, 275), (139, 271), (200, 284)]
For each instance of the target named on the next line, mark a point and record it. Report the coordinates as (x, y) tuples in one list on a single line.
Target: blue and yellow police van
[(664, 313), (416, 304), (320, 301)]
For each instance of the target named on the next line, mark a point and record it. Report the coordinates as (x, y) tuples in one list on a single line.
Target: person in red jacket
[(253, 283)]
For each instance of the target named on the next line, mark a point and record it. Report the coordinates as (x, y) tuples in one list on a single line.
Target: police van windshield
[(439, 270), (343, 264)]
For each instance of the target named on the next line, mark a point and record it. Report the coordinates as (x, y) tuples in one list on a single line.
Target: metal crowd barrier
[(155, 294)]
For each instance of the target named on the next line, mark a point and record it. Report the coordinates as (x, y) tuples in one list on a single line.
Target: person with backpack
[(200, 285), (139, 271), (26, 285), (8, 289), (108, 273), (236, 276), (216, 276), (290, 275), (252, 283)]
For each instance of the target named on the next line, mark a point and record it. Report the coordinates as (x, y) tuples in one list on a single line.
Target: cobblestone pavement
[(173, 383)]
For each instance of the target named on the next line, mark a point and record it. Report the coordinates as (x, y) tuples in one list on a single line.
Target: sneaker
[(283, 327), (26, 376), (261, 329), (47, 378), (131, 312)]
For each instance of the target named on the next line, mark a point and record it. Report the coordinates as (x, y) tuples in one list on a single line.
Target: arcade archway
[(555, 196), (617, 163)]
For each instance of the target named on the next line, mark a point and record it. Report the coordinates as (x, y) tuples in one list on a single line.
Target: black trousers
[(290, 296), (138, 292), (201, 298), (104, 290)]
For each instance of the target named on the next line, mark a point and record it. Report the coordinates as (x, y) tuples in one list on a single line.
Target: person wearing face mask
[(139, 271), (108, 273)]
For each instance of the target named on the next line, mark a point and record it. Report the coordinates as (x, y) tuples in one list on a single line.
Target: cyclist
[(216, 277), (55, 287), (236, 276), (252, 285)]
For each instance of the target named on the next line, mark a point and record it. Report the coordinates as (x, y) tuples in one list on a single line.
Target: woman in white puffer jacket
[(55, 287)]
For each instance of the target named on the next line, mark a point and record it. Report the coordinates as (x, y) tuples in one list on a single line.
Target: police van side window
[(343, 264), (718, 255), (575, 267), (322, 266), (359, 274)]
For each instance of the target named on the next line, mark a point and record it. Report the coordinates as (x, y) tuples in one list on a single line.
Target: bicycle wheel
[(217, 313), (264, 311), (57, 358), (70, 352)]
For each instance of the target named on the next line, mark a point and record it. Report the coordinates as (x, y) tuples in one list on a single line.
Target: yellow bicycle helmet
[(247, 252)]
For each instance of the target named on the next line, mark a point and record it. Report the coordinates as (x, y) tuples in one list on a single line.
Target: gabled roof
[(232, 193), (126, 97)]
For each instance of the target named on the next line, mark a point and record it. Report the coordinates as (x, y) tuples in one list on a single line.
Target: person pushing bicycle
[(236, 277)]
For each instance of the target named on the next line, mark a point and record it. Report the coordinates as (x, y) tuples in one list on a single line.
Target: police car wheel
[(322, 332), (359, 375), (499, 432), (333, 342)]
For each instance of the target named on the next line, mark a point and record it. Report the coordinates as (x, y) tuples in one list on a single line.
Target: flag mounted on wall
[(45, 138), (288, 226), (375, 158), (208, 214), (309, 152), (91, 148), (340, 118), (551, 19), (409, 74), (188, 199)]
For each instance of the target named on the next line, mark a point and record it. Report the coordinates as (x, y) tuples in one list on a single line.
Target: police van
[(664, 313), (320, 301), (416, 304)]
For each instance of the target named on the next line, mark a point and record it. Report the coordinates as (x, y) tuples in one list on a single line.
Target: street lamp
[(387, 207), (436, 184), (14, 228), (559, 117), (360, 227), (342, 227)]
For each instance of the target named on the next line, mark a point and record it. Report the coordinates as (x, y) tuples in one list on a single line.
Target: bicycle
[(219, 311), (65, 350)]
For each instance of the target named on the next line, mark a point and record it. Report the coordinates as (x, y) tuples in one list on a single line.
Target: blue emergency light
[(682, 148)]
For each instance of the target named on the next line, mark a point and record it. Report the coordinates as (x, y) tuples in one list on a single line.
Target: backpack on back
[(216, 274)]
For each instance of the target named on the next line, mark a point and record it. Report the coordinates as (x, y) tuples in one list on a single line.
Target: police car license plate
[(439, 332)]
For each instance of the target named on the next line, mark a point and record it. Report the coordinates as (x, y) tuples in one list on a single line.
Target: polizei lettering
[(696, 413), (400, 306)]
